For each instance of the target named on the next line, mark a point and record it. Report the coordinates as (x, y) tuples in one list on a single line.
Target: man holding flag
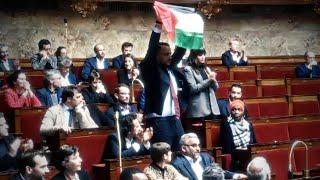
[(165, 86)]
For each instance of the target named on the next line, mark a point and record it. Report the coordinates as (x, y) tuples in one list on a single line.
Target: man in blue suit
[(50, 95), (191, 162), (118, 62), (235, 92), (310, 69), (99, 62)]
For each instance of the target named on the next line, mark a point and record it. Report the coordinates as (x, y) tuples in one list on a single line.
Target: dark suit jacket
[(303, 72), (44, 95), (91, 97), (123, 77), (227, 60), (112, 148), (72, 79), (6, 161), (118, 62), (89, 65), (83, 175), (184, 167), (156, 77), (225, 111), (112, 109), (11, 66), (226, 137), (99, 117), (17, 177)]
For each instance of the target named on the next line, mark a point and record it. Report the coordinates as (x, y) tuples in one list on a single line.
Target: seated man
[(50, 95), (99, 62), (235, 92), (118, 62), (45, 58), (67, 78), (132, 173), (191, 163), (71, 113), (234, 56), (258, 169), (160, 168), (122, 95), (236, 133), (135, 140), (32, 165), (96, 92), (310, 69), (10, 147), (7, 64)]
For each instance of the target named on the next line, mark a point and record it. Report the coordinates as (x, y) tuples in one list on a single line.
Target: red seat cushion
[(305, 89), (268, 133), (274, 90), (307, 107), (314, 158), (274, 109), (304, 130), (91, 149), (278, 160), (245, 75), (249, 91), (253, 110)]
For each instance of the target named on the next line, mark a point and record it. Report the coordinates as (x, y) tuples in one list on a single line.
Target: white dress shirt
[(6, 64), (135, 145), (100, 64), (168, 105), (196, 166), (65, 81)]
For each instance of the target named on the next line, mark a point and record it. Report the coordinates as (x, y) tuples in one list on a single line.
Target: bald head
[(258, 169)]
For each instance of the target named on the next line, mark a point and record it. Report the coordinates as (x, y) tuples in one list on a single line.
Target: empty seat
[(271, 87), (271, 132), (243, 73), (110, 79), (303, 86), (276, 71), (304, 104)]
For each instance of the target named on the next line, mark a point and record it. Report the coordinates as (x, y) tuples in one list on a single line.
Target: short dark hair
[(62, 155), (127, 124), (193, 55), (127, 173), (27, 159), (157, 151), (58, 51), (161, 44), (235, 85), (12, 78), (213, 172), (117, 89), (43, 42), (126, 44), (68, 93), (94, 75)]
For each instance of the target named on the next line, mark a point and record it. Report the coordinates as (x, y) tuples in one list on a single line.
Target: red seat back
[(274, 109), (304, 130), (271, 132), (305, 86), (314, 158), (110, 78), (306, 107), (278, 90), (253, 110)]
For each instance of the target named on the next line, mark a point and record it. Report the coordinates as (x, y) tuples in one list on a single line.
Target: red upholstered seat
[(269, 133), (279, 90), (278, 160), (222, 92), (215, 133), (249, 91), (28, 121), (253, 110), (245, 75), (314, 158), (274, 109), (276, 72), (304, 130), (110, 78), (91, 149), (222, 73), (226, 161), (305, 86), (306, 107), (35, 78)]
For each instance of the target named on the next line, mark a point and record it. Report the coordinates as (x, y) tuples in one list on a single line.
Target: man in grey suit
[(202, 84)]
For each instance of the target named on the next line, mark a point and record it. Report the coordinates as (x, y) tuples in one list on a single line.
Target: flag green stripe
[(189, 40)]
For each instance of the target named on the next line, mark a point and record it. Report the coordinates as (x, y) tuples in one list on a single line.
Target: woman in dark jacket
[(130, 71)]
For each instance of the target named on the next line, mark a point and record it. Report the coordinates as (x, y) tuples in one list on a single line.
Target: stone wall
[(265, 30)]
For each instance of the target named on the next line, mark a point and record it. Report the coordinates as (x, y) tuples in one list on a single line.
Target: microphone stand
[(116, 117)]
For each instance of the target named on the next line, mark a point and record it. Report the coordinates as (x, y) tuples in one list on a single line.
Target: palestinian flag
[(183, 25)]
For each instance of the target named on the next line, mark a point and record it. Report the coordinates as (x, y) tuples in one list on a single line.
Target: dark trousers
[(166, 129)]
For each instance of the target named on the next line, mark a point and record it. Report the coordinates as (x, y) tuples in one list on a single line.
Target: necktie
[(175, 99), (70, 121)]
